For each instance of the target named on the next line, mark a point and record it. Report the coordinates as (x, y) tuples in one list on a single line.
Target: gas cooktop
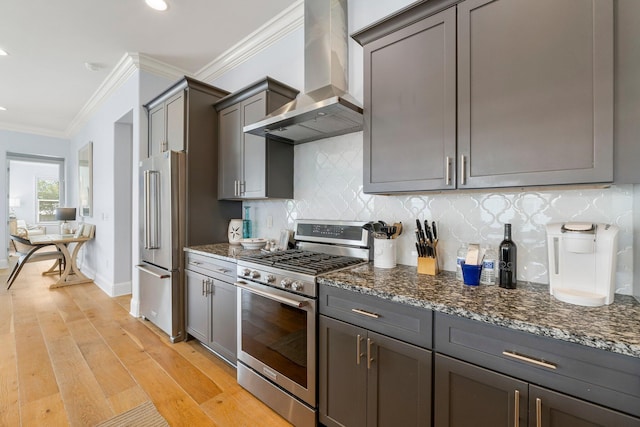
[(301, 261)]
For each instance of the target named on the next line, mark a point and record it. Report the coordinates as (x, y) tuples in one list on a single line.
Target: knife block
[(428, 266)]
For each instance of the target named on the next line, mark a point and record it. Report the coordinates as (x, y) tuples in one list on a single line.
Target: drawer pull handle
[(528, 359), (365, 313), (516, 412), (223, 271), (195, 263)]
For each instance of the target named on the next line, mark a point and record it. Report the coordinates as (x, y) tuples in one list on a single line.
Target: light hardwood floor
[(74, 356)]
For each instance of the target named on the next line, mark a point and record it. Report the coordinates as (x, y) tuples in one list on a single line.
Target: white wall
[(17, 142)]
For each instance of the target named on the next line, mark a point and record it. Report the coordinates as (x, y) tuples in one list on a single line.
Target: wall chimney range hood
[(325, 109)]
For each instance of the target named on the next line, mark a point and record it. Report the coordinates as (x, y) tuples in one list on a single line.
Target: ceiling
[(44, 82)]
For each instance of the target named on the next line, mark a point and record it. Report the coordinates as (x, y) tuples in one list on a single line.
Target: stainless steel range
[(277, 316)]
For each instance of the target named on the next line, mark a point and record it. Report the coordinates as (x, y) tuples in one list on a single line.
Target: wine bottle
[(508, 256)]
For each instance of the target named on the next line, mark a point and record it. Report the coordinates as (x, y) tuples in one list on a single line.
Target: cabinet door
[(223, 320), (197, 300), (230, 152), (410, 139), (254, 148), (535, 92), (342, 374), (467, 395), (551, 409), (156, 130), (175, 117), (399, 383)]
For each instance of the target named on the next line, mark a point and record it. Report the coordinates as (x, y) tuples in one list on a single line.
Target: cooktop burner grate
[(307, 262)]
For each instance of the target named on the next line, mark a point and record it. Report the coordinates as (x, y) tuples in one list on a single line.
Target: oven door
[(277, 337)]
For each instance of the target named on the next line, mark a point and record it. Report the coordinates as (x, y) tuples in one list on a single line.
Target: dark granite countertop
[(529, 308)]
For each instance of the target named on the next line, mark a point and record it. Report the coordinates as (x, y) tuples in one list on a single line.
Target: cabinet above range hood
[(325, 109)]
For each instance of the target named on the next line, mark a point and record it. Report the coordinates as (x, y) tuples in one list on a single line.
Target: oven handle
[(288, 301)]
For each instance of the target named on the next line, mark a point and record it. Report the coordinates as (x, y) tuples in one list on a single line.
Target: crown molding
[(124, 69), (267, 35), (12, 127)]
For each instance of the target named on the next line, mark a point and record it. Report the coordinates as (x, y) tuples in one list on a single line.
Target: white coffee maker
[(582, 262)]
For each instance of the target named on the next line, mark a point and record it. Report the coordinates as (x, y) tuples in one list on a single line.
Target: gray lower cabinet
[(367, 378), (487, 375), (479, 94), (211, 304), (250, 166), (467, 395)]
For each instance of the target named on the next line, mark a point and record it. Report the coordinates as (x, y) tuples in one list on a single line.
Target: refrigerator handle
[(151, 211)]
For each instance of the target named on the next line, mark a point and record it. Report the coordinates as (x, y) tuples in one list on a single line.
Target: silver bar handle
[(369, 358), (278, 298), (153, 273), (538, 412), (235, 188), (516, 411), (243, 187), (203, 294), (151, 209), (447, 171), (463, 170), (534, 361), (365, 313), (359, 353)]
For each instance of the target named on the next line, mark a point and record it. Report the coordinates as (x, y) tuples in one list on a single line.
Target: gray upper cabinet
[(488, 93), (410, 107), (250, 166), (535, 92), (167, 125)]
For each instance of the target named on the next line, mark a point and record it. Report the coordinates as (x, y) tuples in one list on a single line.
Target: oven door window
[(275, 334)]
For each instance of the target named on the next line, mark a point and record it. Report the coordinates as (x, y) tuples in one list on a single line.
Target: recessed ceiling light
[(3, 52), (2, 108), (157, 4)]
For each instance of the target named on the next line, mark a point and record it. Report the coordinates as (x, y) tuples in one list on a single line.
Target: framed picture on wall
[(85, 180)]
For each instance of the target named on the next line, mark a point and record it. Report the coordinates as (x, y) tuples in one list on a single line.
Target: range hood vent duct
[(325, 109)]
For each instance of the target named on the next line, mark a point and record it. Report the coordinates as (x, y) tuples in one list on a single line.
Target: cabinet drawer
[(210, 266), (403, 322), (599, 376)]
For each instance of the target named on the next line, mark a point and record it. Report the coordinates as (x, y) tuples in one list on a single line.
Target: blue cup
[(471, 274)]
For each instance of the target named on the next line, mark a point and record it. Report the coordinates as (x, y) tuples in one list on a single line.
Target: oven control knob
[(255, 274), (271, 278), (246, 272), (297, 286), (286, 283)]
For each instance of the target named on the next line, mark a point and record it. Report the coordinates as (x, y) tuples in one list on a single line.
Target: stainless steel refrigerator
[(162, 239)]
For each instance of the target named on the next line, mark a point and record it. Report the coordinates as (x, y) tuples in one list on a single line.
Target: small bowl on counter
[(253, 243)]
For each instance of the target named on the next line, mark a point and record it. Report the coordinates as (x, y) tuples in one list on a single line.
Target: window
[(48, 198), (36, 186)]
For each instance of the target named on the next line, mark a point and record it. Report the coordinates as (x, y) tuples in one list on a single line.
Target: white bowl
[(253, 243)]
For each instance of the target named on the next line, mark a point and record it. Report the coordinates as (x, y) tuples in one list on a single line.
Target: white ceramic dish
[(253, 243)]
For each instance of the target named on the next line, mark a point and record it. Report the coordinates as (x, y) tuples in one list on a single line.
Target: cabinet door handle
[(359, 352), (523, 358), (463, 170), (203, 292), (447, 171), (538, 412), (365, 313), (516, 410), (235, 187), (369, 358), (243, 187), (210, 287)]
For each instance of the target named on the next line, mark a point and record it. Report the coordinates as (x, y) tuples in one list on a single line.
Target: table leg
[(71, 274)]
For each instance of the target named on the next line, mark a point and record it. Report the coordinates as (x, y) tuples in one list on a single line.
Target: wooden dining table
[(69, 245)]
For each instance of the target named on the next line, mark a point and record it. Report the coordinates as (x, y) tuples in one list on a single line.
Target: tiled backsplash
[(328, 185)]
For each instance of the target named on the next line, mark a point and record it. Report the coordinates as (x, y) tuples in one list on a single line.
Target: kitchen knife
[(435, 232), (421, 233)]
